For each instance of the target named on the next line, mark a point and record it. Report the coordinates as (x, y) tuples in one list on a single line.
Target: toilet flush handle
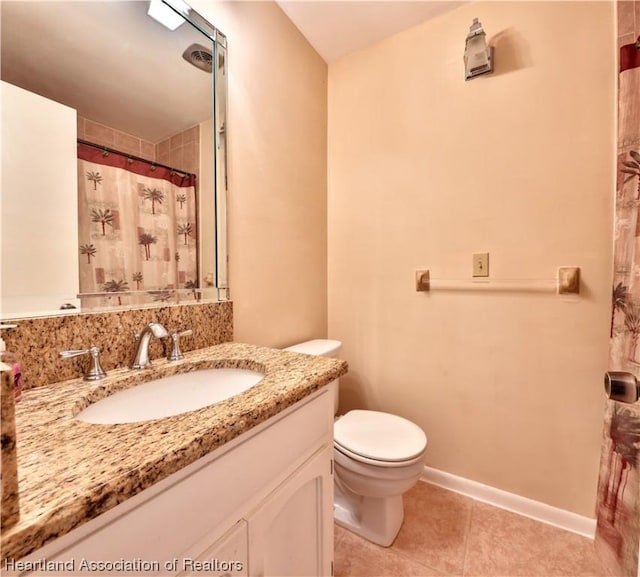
[(621, 386)]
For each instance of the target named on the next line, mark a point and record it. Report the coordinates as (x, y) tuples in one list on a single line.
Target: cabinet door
[(227, 556), (291, 532)]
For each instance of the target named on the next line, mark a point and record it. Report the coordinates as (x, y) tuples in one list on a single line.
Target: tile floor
[(447, 534)]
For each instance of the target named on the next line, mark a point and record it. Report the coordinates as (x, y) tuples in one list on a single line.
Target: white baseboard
[(542, 512)]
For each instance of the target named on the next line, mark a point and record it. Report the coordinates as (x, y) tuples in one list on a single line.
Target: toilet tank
[(323, 348), (320, 347)]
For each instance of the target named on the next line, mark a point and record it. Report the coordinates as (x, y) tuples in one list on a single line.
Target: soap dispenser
[(12, 361)]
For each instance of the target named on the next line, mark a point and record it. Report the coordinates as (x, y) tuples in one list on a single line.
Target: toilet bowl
[(378, 457)]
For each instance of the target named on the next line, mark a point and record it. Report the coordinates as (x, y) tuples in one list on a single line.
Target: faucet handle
[(176, 354), (95, 372)]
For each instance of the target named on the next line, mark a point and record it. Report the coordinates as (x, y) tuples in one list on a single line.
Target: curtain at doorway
[(618, 507)]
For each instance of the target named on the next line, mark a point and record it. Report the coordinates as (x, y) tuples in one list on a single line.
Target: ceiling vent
[(200, 56)]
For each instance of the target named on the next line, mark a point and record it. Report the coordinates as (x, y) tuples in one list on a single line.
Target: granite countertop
[(70, 471)]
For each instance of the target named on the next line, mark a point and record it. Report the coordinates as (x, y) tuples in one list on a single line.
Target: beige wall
[(426, 169), (277, 174), (39, 250)]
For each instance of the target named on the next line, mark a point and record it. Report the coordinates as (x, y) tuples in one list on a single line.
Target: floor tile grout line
[(402, 555), (408, 557), (471, 556), (466, 538)]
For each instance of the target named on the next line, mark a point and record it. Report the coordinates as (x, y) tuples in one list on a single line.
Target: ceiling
[(336, 28)]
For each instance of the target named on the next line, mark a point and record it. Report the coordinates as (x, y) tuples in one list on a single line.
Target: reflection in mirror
[(113, 158)]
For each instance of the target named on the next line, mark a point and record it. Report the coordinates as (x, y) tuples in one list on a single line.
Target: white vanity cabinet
[(286, 535), (260, 505), (229, 555)]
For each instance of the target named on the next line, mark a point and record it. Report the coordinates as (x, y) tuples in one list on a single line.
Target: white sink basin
[(170, 396)]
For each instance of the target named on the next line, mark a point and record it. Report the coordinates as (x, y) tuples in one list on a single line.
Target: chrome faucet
[(142, 360), (95, 372)]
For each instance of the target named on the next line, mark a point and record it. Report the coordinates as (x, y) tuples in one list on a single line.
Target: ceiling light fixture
[(170, 13)]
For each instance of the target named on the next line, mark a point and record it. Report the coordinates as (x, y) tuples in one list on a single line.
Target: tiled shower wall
[(181, 151), (113, 138), (628, 21)]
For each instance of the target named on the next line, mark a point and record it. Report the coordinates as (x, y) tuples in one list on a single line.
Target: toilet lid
[(379, 436)]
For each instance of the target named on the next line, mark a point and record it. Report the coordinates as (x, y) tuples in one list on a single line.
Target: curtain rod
[(132, 156)]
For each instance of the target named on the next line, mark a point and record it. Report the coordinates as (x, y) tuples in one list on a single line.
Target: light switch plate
[(481, 264)]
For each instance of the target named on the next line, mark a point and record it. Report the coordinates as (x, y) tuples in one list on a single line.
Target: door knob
[(621, 386)]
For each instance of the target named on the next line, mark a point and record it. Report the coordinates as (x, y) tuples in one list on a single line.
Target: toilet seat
[(379, 438), (377, 462)]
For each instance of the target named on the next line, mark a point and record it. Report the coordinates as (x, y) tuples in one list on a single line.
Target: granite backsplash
[(38, 341)]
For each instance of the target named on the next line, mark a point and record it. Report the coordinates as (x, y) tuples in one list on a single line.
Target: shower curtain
[(618, 508), (137, 230)]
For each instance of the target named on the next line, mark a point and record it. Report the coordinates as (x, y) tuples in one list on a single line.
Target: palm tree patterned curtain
[(618, 528), (137, 229)]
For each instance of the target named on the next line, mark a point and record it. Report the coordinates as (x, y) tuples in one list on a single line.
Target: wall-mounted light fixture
[(478, 57), (168, 12)]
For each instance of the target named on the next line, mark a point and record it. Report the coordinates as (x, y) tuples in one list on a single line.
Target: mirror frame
[(220, 123)]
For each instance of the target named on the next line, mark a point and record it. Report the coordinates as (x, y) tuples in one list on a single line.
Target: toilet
[(378, 457)]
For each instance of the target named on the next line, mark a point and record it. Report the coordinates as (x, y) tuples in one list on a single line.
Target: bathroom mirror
[(134, 86)]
